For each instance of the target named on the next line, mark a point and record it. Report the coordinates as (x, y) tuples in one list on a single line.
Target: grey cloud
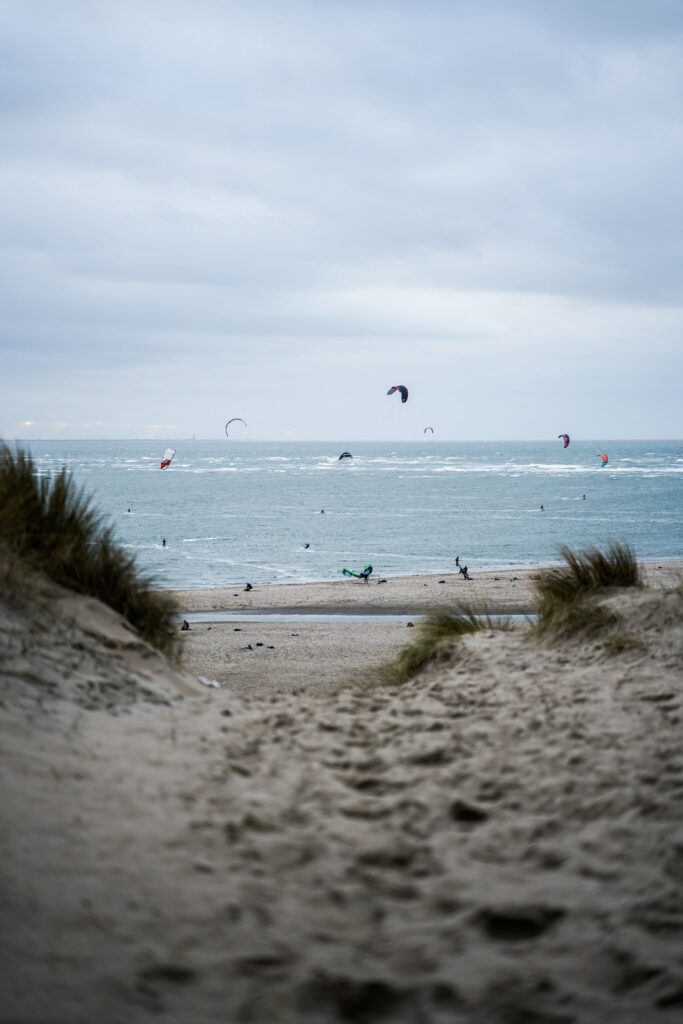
[(261, 179)]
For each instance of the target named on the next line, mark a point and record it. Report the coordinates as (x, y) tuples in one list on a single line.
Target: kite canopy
[(167, 458), (402, 389), (345, 455), (235, 419), (359, 575), (431, 430), (565, 440)]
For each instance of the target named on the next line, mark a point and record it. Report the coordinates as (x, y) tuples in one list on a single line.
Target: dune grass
[(52, 525), (437, 634), (565, 596)]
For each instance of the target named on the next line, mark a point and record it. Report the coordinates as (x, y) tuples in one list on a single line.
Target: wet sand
[(502, 592)]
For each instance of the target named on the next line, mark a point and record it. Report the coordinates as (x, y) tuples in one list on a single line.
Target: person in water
[(163, 542), (307, 545), (542, 509)]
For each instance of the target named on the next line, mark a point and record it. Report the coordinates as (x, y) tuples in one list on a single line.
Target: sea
[(233, 512)]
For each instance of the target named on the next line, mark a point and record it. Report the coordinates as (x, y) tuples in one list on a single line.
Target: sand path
[(496, 841)]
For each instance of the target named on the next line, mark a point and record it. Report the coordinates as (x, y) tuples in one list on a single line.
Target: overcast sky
[(276, 210)]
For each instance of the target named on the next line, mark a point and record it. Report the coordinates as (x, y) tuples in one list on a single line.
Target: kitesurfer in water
[(307, 545), (163, 542)]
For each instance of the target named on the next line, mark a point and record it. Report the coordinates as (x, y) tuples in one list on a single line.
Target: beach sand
[(315, 657), (501, 591), (498, 840)]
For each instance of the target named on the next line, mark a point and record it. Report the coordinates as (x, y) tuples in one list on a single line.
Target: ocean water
[(234, 511)]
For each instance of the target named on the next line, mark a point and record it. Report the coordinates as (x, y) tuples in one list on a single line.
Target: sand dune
[(498, 840)]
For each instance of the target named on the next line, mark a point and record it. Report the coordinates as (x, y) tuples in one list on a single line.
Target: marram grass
[(51, 524), (565, 597), (437, 634)]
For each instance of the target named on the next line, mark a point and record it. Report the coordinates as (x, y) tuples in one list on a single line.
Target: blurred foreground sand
[(498, 840)]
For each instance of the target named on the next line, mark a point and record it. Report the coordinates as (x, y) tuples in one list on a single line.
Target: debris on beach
[(209, 682)]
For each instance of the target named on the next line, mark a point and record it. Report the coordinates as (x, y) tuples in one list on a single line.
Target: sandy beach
[(314, 657), (495, 840)]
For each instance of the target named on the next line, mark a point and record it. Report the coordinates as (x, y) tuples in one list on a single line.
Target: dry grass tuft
[(565, 597), (437, 634), (51, 524)]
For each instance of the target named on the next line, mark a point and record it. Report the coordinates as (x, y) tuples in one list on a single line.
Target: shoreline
[(505, 591), (665, 562)]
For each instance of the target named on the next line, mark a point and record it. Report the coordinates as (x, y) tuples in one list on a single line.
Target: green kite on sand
[(359, 575)]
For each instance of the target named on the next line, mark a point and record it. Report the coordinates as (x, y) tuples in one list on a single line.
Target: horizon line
[(335, 440)]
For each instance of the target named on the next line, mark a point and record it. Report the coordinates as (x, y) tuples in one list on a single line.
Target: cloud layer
[(277, 210)]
